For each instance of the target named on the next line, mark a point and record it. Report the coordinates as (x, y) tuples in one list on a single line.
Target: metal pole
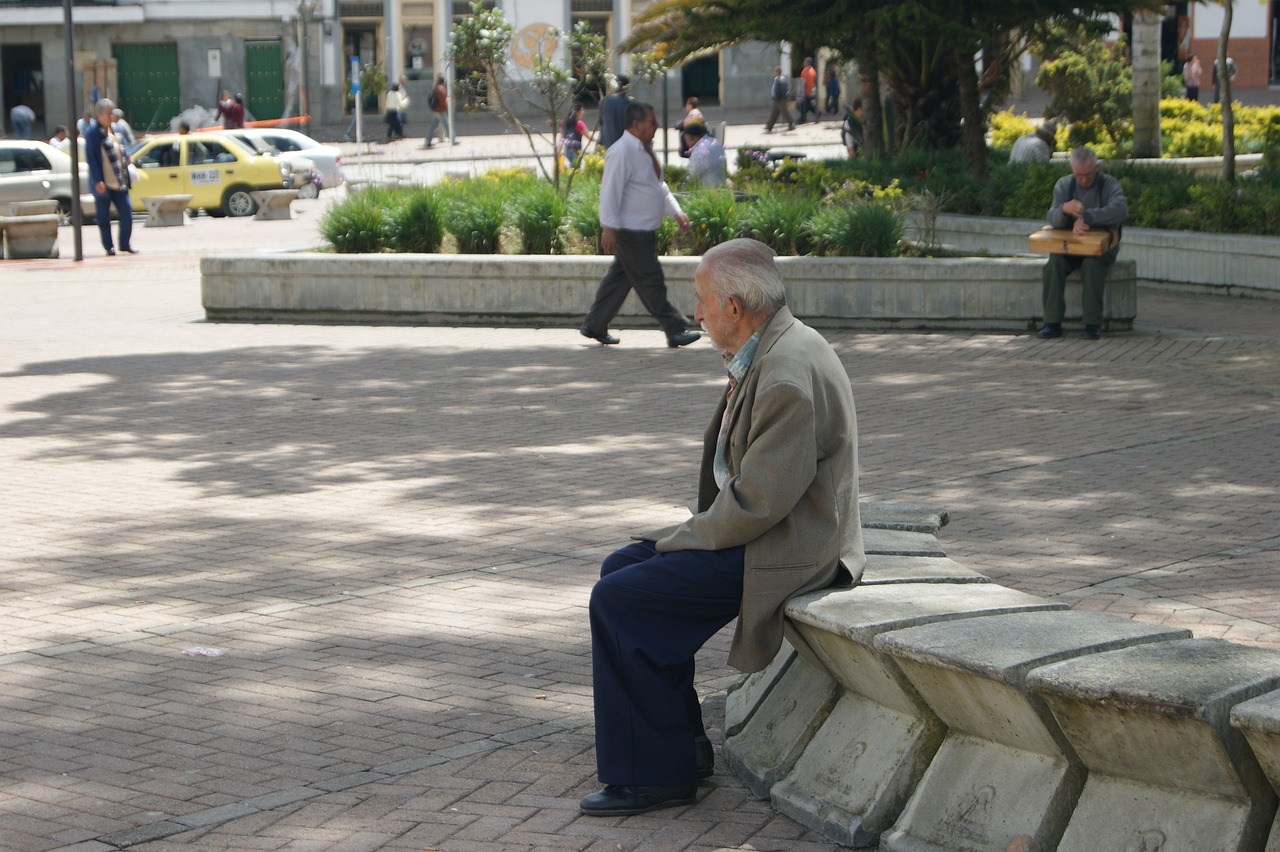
[(72, 128)]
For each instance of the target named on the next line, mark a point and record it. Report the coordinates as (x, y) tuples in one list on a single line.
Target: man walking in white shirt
[(633, 202)]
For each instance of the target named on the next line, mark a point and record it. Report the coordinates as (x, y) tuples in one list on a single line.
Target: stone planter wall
[(1225, 263), (960, 293)]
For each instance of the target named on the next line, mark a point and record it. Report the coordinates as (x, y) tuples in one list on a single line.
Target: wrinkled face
[(645, 127), (718, 321), (1086, 173)]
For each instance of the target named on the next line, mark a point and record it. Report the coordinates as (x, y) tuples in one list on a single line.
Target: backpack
[(432, 101)]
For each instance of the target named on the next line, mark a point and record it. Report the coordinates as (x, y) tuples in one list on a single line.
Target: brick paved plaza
[(390, 535)]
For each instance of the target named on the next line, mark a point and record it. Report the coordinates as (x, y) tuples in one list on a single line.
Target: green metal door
[(147, 75), (264, 73)]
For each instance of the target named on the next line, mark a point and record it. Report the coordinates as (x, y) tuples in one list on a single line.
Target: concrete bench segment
[(900, 543), (1151, 724), (853, 776), (882, 569), (166, 211), (1259, 720), (274, 203), (908, 518), (32, 208), (1005, 770), (30, 236)]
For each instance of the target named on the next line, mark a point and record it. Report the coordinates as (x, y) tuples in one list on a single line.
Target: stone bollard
[(1166, 769), (1259, 720), (849, 769), (1004, 772)]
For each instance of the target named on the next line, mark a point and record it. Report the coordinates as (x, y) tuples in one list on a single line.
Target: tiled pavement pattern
[(391, 533)]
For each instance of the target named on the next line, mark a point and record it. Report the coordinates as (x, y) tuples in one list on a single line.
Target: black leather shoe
[(704, 757), (129, 250), (1049, 330), (683, 338), (604, 337), (615, 800), (111, 252), (1091, 332)]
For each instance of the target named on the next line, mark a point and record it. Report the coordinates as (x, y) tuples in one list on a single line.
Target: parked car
[(36, 171), (219, 173), (327, 158), (306, 178)]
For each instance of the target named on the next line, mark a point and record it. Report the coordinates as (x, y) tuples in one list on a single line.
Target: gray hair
[(745, 269), (1084, 156), (635, 111), (105, 103)]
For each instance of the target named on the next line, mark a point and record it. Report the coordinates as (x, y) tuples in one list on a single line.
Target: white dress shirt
[(632, 196)]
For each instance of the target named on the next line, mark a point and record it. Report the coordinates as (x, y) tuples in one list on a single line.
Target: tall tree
[(1224, 90), (924, 49)]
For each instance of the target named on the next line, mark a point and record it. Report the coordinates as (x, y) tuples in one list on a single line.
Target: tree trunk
[(1145, 58), (974, 125), (869, 91), (1224, 89)]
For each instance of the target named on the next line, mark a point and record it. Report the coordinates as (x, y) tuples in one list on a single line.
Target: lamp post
[(305, 12)]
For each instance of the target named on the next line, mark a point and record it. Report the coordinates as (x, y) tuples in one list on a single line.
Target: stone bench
[(1004, 770), (274, 203), (929, 709), (1151, 724), (31, 236), (1259, 720), (166, 211), (32, 208)]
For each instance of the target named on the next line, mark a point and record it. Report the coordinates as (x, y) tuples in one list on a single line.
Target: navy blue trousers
[(650, 613)]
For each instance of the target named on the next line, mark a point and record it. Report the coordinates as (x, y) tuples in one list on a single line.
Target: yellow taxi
[(218, 172)]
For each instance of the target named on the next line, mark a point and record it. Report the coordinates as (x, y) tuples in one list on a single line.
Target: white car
[(35, 171), (327, 158)]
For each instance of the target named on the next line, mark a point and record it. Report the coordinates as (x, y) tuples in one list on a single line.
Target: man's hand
[(100, 187), (1079, 227), (1074, 207), (683, 221), (609, 240)]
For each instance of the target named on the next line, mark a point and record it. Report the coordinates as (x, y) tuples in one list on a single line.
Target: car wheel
[(308, 190), (238, 202)]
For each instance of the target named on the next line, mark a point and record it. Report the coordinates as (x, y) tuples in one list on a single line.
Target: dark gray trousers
[(635, 264)]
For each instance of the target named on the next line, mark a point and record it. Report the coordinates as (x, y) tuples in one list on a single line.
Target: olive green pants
[(1093, 279)]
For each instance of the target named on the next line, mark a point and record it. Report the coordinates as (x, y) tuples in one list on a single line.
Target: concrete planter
[(1223, 263), (951, 293)]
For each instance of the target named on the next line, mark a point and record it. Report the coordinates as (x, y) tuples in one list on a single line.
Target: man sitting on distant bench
[(1084, 199)]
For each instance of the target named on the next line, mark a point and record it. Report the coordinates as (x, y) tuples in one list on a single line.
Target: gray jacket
[(1104, 203)]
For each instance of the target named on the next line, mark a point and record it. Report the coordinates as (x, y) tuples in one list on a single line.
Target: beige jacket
[(792, 493)]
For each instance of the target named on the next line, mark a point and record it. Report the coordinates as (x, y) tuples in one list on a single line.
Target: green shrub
[(1031, 198), (417, 223), (538, 213), (583, 211), (476, 214), (1007, 126), (714, 217), (864, 229), (357, 225), (778, 219)]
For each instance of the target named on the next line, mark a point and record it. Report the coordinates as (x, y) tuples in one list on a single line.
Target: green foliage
[(779, 219), (1091, 87), (416, 223), (1032, 192), (714, 217), (863, 229), (1007, 126), (583, 211), (476, 215), (538, 213), (357, 225)]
